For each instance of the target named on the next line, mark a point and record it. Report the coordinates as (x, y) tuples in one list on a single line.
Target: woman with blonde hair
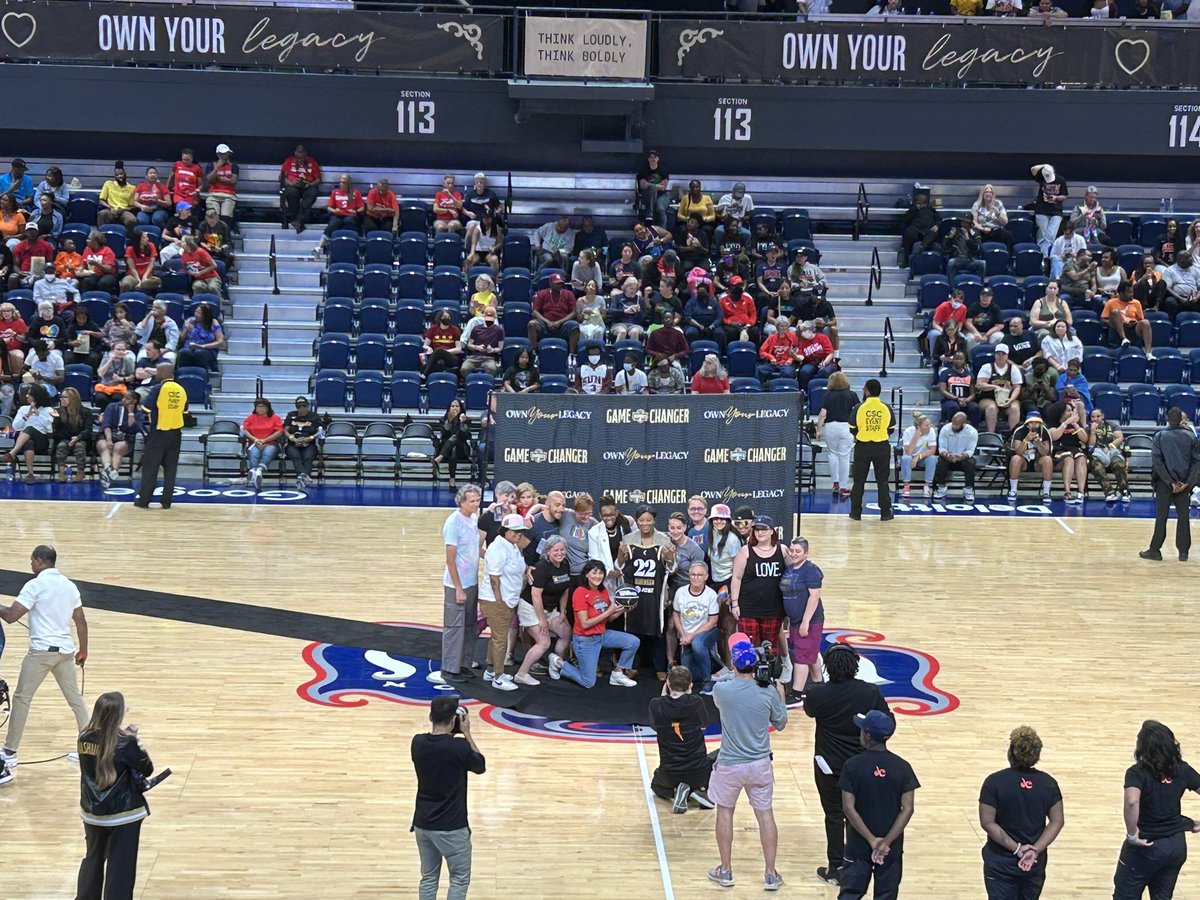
[(112, 763), (72, 433), (834, 423), (990, 217), (484, 296), (919, 449)]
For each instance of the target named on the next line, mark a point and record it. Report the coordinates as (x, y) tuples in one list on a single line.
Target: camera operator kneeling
[(112, 766), (750, 703)]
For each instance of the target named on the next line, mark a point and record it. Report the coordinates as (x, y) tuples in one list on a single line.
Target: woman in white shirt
[(920, 449), (32, 425), (1193, 235), (1061, 346), (1108, 274), (499, 592), (991, 218)]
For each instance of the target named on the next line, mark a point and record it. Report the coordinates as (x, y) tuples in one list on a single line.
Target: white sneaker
[(1012, 496), (556, 664), (620, 679), (1128, 497), (1150, 355), (6, 774), (786, 675), (1046, 498), (1124, 342), (941, 492), (8, 757), (927, 492), (527, 680), (725, 674), (73, 757), (435, 678), (489, 675), (969, 494), (1112, 498), (504, 683)]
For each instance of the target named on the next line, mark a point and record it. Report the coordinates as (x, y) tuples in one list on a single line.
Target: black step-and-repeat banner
[(886, 49), (655, 451), (248, 36)]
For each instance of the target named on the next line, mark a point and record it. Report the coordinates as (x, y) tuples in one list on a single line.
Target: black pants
[(370, 223), (857, 874), (1156, 868), (302, 458), (835, 819), (663, 783), (162, 451), (109, 869), (917, 239), (455, 448), (1004, 880), (944, 467), (866, 455), (297, 202), (1163, 501), (442, 361)]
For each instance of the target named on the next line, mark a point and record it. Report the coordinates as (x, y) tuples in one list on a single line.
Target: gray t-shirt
[(575, 533), (747, 712)]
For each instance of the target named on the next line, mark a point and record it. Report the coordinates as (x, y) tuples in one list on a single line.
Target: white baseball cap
[(1002, 348), (224, 148)]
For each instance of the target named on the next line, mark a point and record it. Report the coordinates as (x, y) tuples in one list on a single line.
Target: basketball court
[(286, 785)]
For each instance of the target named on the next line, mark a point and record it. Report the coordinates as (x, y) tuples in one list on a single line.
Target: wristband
[(1017, 852), (1131, 837)]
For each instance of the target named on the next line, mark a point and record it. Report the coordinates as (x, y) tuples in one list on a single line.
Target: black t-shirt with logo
[(985, 318), (877, 779), (302, 424), (1021, 348), (1159, 815), (834, 704), (679, 723), (1022, 799), (1032, 433), (553, 581)]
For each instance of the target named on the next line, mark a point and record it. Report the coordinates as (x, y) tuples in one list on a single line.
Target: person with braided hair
[(1021, 810)]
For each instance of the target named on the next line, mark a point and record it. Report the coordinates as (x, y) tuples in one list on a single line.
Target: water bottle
[(70, 472), (1162, 205), (1118, 209), (1170, 204), (9, 473)]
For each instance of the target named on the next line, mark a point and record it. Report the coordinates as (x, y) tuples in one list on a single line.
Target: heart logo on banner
[(19, 18), (1129, 42)]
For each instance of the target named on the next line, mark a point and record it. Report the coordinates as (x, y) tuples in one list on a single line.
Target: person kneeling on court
[(594, 609), (679, 718), (748, 711)]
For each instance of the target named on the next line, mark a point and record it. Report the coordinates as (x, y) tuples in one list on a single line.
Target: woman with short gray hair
[(544, 614)]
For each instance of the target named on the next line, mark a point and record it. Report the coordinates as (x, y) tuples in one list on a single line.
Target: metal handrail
[(862, 211), (875, 277), (258, 388), (265, 338), (273, 264), (889, 347)]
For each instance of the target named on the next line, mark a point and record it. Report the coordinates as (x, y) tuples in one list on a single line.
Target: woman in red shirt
[(382, 208), (447, 205), (739, 313), (345, 212), (140, 257), (442, 350), (711, 379), (262, 430), (12, 333), (593, 609)]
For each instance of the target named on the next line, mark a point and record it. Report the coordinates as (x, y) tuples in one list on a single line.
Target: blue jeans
[(256, 458), (588, 649), (961, 265), (697, 656), (929, 463), (766, 371), (808, 372), (158, 217)]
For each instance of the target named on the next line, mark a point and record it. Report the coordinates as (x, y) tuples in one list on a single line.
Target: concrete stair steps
[(287, 279), (279, 313), (296, 366), (273, 385)]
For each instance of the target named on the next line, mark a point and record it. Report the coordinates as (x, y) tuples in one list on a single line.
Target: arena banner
[(585, 48), (959, 52), (656, 451), (242, 36)]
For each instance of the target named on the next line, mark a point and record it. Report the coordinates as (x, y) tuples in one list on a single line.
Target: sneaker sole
[(679, 805)]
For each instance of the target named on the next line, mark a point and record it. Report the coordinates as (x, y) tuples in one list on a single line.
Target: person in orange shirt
[(67, 261), (738, 312), (1123, 313)]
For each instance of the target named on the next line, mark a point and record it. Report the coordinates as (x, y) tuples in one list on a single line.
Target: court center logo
[(351, 677)]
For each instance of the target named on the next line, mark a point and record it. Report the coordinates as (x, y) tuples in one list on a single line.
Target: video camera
[(769, 667)]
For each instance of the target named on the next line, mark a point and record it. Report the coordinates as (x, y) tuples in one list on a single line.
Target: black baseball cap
[(302, 401), (19, 163), (743, 512)]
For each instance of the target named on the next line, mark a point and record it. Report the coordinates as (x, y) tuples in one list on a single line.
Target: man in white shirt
[(52, 289), (53, 603), (460, 587), (1067, 242)]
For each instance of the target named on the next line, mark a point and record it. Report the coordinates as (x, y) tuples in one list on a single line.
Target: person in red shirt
[(738, 313), (554, 314), (592, 610), (447, 205), (23, 253), (711, 379), (140, 257), (345, 212), (954, 308), (814, 356), (299, 182), (151, 200), (261, 430), (198, 263), (185, 179), (221, 180), (442, 350), (779, 356), (383, 209), (98, 271), (667, 342)]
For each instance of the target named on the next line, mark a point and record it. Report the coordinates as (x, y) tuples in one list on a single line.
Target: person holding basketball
[(594, 609)]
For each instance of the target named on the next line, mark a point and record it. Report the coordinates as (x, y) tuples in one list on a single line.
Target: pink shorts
[(805, 650), (757, 778)]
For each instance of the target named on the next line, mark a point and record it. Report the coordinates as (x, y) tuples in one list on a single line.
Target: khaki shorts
[(527, 615)]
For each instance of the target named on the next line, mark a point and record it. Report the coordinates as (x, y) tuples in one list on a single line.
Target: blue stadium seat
[(194, 381), (1187, 332), (516, 318), (341, 281), (414, 249), (816, 395), (175, 283), (552, 356), (553, 384), (1109, 400), (410, 316), (338, 315), (371, 351), (927, 262), (1006, 290), (1150, 229), (763, 215), (411, 282), (934, 290), (512, 348), (377, 282), (77, 232), (1183, 396), (516, 250), (83, 210), (1119, 228), (778, 385), (454, 307), (995, 258), (329, 390), (379, 251), (81, 377), (414, 216), (700, 349), (374, 316), (1035, 289), (516, 287), (100, 310), (796, 227), (448, 250), (404, 391), (1161, 329), (406, 353), (440, 389), (1170, 366), (333, 351), (1132, 364), (543, 277), (744, 386), (742, 359), (479, 386), (368, 389), (447, 283), (343, 249), (1129, 257), (1087, 327), (114, 237), (980, 354), (625, 348), (1145, 403), (970, 285), (1194, 366), (1027, 260)]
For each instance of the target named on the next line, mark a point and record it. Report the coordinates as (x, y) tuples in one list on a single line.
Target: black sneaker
[(830, 875), (791, 699), (539, 669), (454, 677), (1151, 554), (701, 799), (681, 797), (6, 774)]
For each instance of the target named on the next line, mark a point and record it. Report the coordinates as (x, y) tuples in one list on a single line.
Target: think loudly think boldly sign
[(585, 48)]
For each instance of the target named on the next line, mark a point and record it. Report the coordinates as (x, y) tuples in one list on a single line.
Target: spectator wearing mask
[(61, 293), (961, 249), (833, 423), (665, 378), (593, 375), (299, 182), (483, 341), (301, 430), (630, 379), (919, 448), (954, 307), (442, 350), (814, 355), (679, 718), (956, 444), (739, 315)]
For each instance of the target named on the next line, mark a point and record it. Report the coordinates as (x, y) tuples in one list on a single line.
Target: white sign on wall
[(585, 48)]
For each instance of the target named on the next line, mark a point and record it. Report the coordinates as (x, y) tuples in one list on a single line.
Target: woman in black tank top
[(757, 572)]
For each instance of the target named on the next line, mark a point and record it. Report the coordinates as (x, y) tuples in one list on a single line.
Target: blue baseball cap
[(878, 724), (741, 651)]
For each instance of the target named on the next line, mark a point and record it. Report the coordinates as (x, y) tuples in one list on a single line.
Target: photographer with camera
[(442, 762), (679, 718), (113, 768), (750, 703)]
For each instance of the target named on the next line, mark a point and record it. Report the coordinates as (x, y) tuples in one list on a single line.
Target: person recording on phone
[(113, 767), (442, 758), (679, 718), (750, 703), (53, 603)]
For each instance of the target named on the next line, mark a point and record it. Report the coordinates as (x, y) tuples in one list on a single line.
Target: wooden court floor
[(274, 797)]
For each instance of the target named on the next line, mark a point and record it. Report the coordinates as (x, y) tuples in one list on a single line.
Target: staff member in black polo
[(442, 758), (1021, 811), (164, 406), (834, 704), (877, 797), (1175, 460), (872, 425)]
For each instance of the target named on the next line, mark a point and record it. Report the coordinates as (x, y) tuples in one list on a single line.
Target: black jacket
[(1175, 456), (122, 801)]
